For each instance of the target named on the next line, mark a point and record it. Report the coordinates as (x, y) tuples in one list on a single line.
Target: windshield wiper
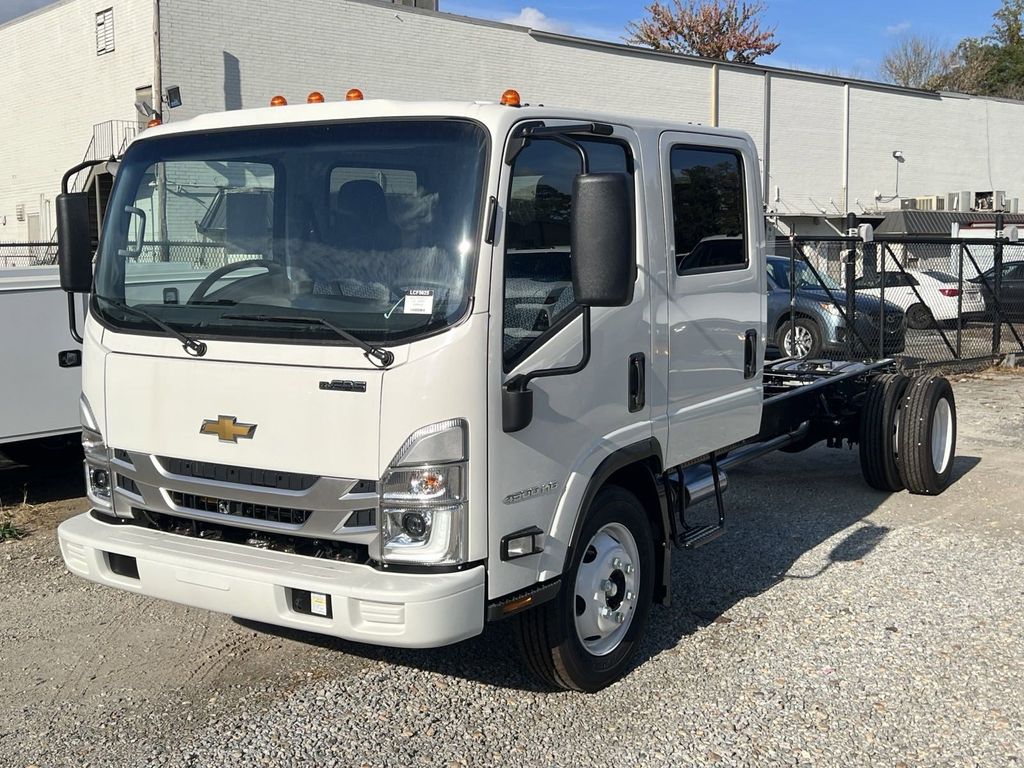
[(383, 356), (192, 346)]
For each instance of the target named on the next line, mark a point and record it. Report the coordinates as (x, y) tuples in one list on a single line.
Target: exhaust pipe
[(699, 483)]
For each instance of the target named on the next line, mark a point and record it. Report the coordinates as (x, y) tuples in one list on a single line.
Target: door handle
[(637, 382), (750, 354)]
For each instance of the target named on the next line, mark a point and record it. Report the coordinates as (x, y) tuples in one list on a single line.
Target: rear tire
[(879, 429), (585, 638), (919, 317), (927, 437)]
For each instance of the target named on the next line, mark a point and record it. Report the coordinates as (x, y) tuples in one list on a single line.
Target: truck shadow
[(783, 513), (59, 479)]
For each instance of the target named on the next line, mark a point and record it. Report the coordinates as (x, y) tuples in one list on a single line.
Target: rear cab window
[(708, 209)]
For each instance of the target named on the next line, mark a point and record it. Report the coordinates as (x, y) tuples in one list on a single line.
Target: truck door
[(536, 476), (716, 292)]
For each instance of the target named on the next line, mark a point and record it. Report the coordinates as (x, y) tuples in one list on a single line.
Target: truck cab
[(390, 370)]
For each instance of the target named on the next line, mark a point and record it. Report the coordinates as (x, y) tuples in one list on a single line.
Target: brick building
[(72, 72)]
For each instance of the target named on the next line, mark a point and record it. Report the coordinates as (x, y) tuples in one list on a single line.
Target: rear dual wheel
[(908, 434), (879, 432), (927, 435)]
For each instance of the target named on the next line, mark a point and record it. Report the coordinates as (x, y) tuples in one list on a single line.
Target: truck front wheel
[(585, 638)]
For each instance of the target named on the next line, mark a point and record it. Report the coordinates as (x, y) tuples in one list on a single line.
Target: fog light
[(414, 524), (100, 480)]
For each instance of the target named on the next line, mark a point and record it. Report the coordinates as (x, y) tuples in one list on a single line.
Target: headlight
[(423, 498), (97, 460), (829, 307)]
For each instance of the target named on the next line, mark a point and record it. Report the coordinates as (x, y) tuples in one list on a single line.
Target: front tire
[(585, 638), (801, 339)]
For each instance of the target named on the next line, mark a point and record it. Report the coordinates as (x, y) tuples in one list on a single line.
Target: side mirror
[(74, 242), (603, 245)]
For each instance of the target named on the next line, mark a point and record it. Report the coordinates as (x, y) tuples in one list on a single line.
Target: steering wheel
[(211, 279)]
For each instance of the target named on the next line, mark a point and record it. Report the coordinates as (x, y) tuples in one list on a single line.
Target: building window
[(105, 32)]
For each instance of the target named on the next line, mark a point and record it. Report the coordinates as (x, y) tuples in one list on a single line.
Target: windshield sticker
[(419, 302)]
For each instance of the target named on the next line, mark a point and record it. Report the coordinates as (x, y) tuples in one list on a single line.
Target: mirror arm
[(521, 382), (517, 397), (72, 325), (66, 179)]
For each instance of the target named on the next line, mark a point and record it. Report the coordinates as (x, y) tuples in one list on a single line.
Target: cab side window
[(538, 268), (708, 209)]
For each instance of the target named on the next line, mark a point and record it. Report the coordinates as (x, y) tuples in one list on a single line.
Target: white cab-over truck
[(389, 371)]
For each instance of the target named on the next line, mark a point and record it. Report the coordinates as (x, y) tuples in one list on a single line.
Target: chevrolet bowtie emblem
[(227, 429)]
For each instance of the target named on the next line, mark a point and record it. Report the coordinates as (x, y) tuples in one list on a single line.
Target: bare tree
[(913, 61), (728, 30)]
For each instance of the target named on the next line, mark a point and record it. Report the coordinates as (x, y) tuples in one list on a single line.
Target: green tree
[(992, 65)]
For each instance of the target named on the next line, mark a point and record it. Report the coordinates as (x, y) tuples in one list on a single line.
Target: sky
[(816, 35)]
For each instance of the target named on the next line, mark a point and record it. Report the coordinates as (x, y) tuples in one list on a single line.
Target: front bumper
[(369, 606)]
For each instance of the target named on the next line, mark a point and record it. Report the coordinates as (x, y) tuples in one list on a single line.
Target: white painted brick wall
[(53, 89)]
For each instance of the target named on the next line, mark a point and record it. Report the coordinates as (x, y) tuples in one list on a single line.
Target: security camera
[(898, 156)]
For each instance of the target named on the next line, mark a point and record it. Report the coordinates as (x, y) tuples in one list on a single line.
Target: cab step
[(691, 487)]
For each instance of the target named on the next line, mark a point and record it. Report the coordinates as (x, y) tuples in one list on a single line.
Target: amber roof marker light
[(315, 97), (354, 94), (279, 101), (510, 98)]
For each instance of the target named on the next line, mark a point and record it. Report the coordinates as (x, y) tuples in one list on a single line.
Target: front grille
[(242, 509), (226, 473), (122, 455), (361, 518), (127, 484)]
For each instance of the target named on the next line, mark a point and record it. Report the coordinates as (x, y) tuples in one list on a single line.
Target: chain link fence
[(920, 300), (27, 254)]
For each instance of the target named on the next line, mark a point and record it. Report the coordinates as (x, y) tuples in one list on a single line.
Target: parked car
[(819, 329), (1011, 288), (936, 300)]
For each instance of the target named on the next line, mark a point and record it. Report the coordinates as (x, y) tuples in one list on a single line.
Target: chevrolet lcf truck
[(389, 371)]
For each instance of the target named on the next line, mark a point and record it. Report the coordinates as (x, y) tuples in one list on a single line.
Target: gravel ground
[(833, 625)]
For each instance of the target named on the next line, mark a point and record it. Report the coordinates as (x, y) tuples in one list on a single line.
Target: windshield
[(778, 270), (371, 226)]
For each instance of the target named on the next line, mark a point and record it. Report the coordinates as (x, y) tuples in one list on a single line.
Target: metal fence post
[(997, 263), (960, 306), (850, 276), (792, 295)]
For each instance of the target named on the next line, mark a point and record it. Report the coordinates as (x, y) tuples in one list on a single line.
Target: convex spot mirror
[(602, 240), (74, 242)]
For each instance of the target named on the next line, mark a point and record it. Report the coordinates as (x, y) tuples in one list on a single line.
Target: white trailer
[(480, 361), (41, 379)]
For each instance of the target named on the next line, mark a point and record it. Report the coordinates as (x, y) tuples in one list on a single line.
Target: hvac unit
[(964, 201), (930, 203), (908, 203), (984, 201), (999, 203)]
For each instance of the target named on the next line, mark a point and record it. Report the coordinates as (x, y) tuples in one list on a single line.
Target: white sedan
[(937, 297)]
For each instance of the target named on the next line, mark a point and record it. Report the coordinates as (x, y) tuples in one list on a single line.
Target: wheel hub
[(606, 588), (798, 342)]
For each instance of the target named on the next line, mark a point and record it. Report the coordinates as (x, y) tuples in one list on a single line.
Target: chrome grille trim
[(333, 507)]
